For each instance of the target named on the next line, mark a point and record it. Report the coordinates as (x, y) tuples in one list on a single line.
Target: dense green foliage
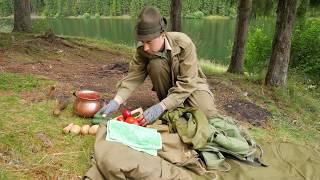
[(120, 7), (190, 8), (305, 52), (6, 7), (258, 51), (195, 15)]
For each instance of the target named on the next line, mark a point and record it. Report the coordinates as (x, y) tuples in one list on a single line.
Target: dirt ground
[(75, 66)]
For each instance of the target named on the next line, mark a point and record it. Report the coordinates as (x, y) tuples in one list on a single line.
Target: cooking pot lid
[(88, 95)]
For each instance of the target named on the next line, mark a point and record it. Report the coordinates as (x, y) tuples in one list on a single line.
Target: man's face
[(155, 45)]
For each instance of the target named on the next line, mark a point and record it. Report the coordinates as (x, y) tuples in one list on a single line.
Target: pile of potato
[(84, 130)]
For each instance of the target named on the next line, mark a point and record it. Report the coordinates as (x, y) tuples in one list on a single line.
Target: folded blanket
[(137, 137)]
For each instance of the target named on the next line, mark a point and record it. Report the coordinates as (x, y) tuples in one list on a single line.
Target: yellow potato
[(66, 130), (85, 129), (93, 129), (75, 129)]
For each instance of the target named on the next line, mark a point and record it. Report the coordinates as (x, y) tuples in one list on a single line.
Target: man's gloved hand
[(152, 114), (111, 107)]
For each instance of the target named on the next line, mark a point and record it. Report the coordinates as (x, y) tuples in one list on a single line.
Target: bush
[(97, 16), (305, 49), (198, 14), (258, 52), (86, 15), (195, 15), (58, 15)]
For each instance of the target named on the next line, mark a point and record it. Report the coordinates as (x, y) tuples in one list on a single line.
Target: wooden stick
[(57, 154)]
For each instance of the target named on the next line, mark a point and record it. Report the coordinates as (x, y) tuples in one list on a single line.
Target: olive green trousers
[(160, 75)]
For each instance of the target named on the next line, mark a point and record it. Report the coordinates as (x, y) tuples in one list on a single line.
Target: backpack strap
[(254, 159), (214, 159)]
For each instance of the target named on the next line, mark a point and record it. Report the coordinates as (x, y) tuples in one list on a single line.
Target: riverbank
[(107, 17), (36, 72)]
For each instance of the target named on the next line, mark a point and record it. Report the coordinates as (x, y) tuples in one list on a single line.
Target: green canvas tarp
[(287, 161)]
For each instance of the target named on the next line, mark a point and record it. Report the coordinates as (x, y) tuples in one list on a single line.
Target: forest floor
[(38, 71)]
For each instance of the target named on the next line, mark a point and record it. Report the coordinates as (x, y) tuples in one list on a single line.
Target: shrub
[(86, 15), (58, 15), (195, 15), (97, 15), (198, 14), (305, 49), (258, 52)]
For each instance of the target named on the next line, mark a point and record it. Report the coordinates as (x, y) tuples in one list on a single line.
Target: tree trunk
[(238, 50), (22, 18), (279, 61), (175, 15)]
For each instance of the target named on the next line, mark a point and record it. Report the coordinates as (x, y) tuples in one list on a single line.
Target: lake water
[(212, 37)]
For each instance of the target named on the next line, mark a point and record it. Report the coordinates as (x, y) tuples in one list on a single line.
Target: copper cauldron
[(87, 103)]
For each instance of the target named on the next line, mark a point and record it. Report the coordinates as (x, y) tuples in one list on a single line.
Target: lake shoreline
[(214, 32), (111, 17)]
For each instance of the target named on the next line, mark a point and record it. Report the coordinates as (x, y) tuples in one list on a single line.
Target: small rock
[(13, 162), (46, 141), (245, 93), (34, 150)]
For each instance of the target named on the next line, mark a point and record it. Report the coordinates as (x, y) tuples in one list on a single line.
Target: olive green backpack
[(229, 139), (214, 139)]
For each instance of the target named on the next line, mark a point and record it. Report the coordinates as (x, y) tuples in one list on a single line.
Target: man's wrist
[(163, 106)]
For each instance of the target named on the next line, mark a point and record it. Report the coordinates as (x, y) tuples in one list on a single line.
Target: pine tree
[(6, 7), (135, 7), (67, 9), (50, 8)]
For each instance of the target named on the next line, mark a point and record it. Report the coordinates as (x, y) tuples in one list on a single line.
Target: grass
[(210, 68), (18, 83), (297, 111), (8, 39), (5, 41), (216, 17), (105, 44), (23, 153), (295, 107)]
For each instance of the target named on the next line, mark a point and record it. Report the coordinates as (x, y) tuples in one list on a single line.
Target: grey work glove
[(111, 107), (152, 114)]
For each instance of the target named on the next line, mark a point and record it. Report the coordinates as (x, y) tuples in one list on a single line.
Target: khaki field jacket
[(186, 73)]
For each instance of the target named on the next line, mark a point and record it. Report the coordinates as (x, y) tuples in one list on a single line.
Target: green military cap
[(150, 24)]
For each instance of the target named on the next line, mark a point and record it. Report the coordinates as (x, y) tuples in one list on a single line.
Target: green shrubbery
[(6, 7), (86, 15), (258, 52), (195, 15), (305, 51), (121, 7)]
